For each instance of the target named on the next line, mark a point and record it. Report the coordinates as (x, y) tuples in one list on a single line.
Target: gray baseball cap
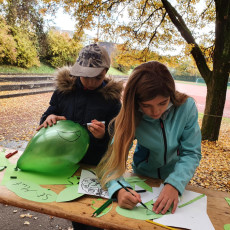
[(92, 60)]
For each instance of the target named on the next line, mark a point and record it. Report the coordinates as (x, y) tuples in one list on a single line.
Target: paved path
[(198, 92)]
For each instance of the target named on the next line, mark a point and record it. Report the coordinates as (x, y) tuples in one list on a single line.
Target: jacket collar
[(167, 111), (65, 83), (80, 85), (163, 116)]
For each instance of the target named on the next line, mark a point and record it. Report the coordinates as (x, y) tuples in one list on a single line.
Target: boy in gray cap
[(84, 95)]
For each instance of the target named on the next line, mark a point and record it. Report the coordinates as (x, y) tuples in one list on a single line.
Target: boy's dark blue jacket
[(80, 105)]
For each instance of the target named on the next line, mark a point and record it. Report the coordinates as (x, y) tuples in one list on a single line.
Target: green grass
[(42, 69), (113, 71)]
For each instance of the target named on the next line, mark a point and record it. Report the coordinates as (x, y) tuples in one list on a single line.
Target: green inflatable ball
[(55, 150)]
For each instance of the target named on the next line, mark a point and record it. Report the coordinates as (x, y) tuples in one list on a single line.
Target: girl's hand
[(168, 196), (97, 128), (127, 200), (50, 120)]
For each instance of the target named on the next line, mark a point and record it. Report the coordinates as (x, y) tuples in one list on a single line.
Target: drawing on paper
[(93, 187)]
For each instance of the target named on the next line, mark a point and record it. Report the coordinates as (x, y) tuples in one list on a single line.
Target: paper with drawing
[(90, 185)]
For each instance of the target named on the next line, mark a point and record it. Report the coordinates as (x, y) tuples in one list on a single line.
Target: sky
[(65, 22)]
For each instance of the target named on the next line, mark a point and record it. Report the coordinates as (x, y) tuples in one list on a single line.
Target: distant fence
[(186, 78), (191, 79)]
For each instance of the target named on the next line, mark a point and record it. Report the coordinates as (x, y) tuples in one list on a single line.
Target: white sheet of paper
[(145, 196), (193, 216), (89, 185)]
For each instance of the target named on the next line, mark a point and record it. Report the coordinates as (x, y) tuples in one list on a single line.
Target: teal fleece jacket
[(168, 148)]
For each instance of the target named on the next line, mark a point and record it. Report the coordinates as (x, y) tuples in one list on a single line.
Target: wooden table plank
[(80, 210)]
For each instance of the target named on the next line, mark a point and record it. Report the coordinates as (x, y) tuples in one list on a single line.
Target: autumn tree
[(125, 57), (62, 50), (28, 16), (161, 25)]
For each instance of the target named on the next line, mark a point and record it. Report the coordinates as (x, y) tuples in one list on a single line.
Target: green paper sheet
[(3, 160), (30, 191), (139, 213), (105, 211), (191, 201), (227, 227), (74, 180), (228, 200), (34, 177), (68, 194), (145, 186), (135, 180)]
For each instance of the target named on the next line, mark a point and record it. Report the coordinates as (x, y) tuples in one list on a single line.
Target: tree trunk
[(217, 79), (217, 83), (215, 101)]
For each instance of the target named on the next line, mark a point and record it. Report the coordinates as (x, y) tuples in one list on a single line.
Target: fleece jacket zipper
[(165, 145)]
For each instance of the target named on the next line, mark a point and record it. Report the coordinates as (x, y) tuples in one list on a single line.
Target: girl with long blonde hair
[(164, 122)]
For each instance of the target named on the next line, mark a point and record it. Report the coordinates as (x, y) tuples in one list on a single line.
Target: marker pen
[(88, 124), (11, 154)]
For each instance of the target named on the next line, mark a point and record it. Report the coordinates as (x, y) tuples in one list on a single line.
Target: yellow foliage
[(127, 57), (43, 11), (62, 50), (7, 44)]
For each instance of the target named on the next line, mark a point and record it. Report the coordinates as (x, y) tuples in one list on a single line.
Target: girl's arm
[(113, 186), (190, 155), (190, 151)]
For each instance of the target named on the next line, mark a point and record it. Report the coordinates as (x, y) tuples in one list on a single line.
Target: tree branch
[(204, 11), (155, 31), (147, 19), (196, 52), (144, 7)]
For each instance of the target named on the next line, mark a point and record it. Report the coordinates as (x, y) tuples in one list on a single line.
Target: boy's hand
[(127, 200), (167, 197), (50, 120), (97, 128)]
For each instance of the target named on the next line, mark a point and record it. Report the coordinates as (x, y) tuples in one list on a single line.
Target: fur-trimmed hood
[(66, 83)]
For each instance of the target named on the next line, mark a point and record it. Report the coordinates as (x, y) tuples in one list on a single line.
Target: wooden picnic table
[(80, 210)]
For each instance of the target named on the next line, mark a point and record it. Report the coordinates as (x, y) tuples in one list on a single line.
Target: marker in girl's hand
[(88, 124)]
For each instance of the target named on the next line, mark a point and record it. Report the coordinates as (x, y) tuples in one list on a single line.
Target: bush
[(62, 50), (16, 47), (8, 53), (27, 55)]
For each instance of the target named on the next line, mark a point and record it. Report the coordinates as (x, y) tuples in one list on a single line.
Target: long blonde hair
[(147, 81)]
